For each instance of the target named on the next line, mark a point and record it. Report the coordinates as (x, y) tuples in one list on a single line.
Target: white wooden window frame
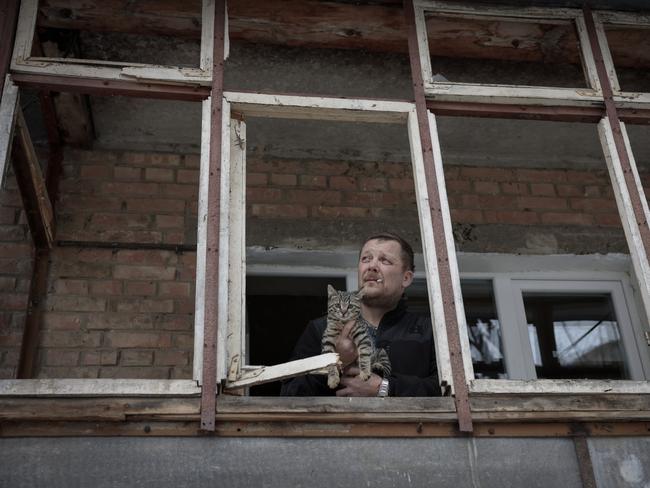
[(623, 99), (8, 110), (231, 319), (23, 62), (503, 93)]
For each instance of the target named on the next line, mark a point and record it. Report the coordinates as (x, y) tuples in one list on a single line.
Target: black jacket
[(408, 340)]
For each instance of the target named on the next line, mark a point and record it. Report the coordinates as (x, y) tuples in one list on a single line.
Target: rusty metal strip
[(9, 19), (209, 389), (614, 121), (584, 462), (461, 396), (89, 86)]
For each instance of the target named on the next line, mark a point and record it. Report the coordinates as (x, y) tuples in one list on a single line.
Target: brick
[(511, 217), (184, 341), (171, 358), (189, 176), (63, 303), (585, 177), (7, 283), (62, 321), (608, 220), (138, 339), (514, 188), (174, 289), (486, 187), (458, 186), (186, 192), (56, 338), (165, 159), (192, 161), (256, 179), (125, 173), (13, 301), (184, 305), (592, 191), (371, 199), (175, 322), (57, 357), (403, 184), (263, 195), (12, 250), (486, 174), (541, 175), (340, 212), (70, 287), (569, 190), (279, 211), (106, 287), (542, 189), (497, 202), (284, 179), (542, 203), (11, 340), (556, 218), (140, 288), (135, 372), (152, 205), (311, 181), (129, 189), (466, 216), (96, 172), (144, 272), (7, 216), (372, 184), (135, 358), (85, 203), (145, 305), (593, 204), (68, 372), (326, 167), (343, 183), (12, 233), (120, 321), (99, 358), (170, 221), (146, 256), (313, 197)]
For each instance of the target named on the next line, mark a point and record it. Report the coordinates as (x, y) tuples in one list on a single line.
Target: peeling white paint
[(631, 469)]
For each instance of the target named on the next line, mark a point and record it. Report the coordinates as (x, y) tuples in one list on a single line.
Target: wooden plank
[(587, 56), (423, 44), (8, 19), (266, 374), (8, 106), (597, 402), (207, 35), (236, 218), (430, 257), (451, 249), (495, 11), (25, 31), (559, 386), (33, 191), (435, 192), (211, 296), (508, 94), (320, 108), (96, 387), (129, 88), (98, 428)]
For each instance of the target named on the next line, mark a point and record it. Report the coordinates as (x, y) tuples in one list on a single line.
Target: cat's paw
[(333, 381), (364, 375)]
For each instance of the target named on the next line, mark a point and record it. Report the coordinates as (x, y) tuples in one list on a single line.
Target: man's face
[(383, 273)]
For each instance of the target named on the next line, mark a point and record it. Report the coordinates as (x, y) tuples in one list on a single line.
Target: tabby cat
[(342, 307)]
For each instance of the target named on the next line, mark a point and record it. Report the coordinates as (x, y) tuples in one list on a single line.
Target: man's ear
[(407, 279)]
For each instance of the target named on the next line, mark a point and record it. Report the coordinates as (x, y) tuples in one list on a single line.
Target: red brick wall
[(15, 275), (129, 313)]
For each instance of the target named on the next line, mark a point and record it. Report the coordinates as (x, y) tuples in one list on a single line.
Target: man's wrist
[(383, 388)]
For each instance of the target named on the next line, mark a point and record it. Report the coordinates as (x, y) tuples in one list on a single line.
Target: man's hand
[(352, 385), (345, 346)]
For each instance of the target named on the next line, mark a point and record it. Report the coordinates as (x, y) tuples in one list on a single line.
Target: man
[(385, 270)]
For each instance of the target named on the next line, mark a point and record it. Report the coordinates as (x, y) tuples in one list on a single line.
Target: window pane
[(574, 336), (483, 326)]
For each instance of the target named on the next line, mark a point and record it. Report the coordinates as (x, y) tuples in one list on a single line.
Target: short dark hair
[(407, 250)]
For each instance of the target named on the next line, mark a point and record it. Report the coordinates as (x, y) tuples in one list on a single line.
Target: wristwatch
[(383, 388)]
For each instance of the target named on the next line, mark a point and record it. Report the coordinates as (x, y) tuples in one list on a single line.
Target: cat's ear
[(330, 290)]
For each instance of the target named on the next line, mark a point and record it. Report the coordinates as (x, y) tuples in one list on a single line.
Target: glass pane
[(509, 52), (574, 336), (483, 326)]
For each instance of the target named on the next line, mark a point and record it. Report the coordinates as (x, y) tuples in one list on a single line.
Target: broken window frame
[(23, 62), (504, 93)]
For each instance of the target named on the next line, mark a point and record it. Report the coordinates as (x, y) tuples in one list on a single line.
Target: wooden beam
[(371, 26), (211, 313), (89, 86), (97, 387), (441, 240), (32, 187), (546, 386), (8, 19)]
